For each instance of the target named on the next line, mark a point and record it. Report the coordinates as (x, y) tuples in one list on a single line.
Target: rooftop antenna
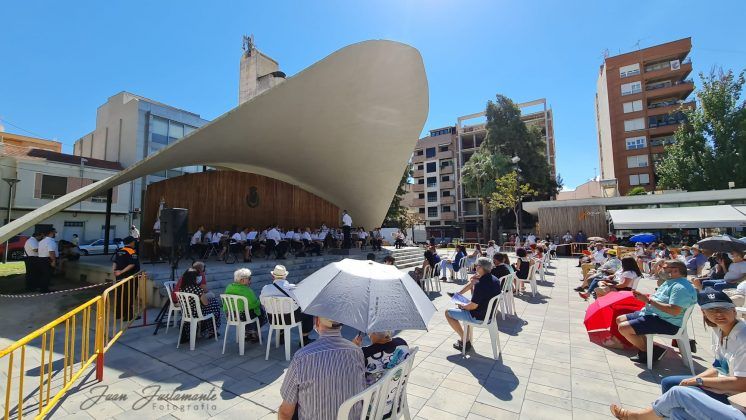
[(248, 44)]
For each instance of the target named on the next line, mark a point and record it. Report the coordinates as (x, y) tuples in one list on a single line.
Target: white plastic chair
[(506, 302), (635, 282), (463, 269), (186, 301), (233, 317), (173, 308), (539, 264), (392, 386), (681, 337), (277, 308), (430, 281), (490, 323), (531, 279)]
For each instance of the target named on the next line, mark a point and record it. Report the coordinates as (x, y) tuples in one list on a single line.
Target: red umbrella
[(601, 314)]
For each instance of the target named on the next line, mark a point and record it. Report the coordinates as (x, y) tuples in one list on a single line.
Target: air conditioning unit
[(675, 65)]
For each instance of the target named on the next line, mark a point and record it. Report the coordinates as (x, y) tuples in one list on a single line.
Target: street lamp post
[(11, 185)]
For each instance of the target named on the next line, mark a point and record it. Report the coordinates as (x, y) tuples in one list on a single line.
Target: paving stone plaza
[(548, 369)]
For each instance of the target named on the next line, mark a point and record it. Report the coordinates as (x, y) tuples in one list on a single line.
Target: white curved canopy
[(343, 129)]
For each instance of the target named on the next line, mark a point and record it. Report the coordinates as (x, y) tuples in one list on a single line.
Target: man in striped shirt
[(322, 375)]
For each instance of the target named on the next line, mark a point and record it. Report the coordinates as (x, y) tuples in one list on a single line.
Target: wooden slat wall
[(558, 220), (218, 199)]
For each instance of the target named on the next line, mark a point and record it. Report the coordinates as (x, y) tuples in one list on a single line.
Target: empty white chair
[(430, 281), (506, 301), (233, 317), (463, 269), (392, 386), (490, 323), (173, 308), (191, 312), (681, 337), (531, 279), (539, 264), (278, 308)]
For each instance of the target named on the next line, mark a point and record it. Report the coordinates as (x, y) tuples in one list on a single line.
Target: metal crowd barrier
[(84, 334)]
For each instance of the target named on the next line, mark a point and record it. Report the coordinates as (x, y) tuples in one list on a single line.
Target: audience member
[(735, 274), (208, 302), (452, 264), (622, 280), (280, 287), (697, 261), (241, 287)]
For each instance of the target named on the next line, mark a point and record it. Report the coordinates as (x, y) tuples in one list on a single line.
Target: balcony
[(447, 185), (448, 154), (448, 200), (445, 170), (668, 107), (418, 202), (679, 89), (418, 188), (448, 215), (418, 173), (472, 128), (682, 71), (418, 159)]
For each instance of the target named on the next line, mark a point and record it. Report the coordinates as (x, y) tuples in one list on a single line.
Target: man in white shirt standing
[(346, 226), (195, 244), (47, 260), (31, 261)]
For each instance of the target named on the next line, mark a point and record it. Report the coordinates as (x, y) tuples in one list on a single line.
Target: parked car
[(97, 246), (15, 247)]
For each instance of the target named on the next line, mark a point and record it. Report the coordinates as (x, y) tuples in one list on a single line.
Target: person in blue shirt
[(452, 264), (663, 312), (696, 261)]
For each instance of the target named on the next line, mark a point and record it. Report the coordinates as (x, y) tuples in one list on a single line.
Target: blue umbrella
[(645, 238)]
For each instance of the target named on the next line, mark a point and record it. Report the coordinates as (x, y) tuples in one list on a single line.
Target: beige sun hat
[(280, 272)]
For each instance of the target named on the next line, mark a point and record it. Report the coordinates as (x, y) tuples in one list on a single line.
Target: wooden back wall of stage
[(226, 198)]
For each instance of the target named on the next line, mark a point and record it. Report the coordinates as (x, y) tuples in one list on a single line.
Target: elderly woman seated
[(209, 304), (622, 279), (241, 287)]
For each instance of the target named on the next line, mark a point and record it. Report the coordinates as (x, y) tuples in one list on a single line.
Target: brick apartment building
[(638, 100)]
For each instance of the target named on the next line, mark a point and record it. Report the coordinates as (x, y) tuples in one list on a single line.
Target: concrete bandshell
[(343, 129)]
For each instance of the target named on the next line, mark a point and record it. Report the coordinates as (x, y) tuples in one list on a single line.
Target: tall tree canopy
[(397, 214), (710, 147), (478, 177)]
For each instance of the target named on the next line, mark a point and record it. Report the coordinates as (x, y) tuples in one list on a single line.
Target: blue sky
[(61, 60)]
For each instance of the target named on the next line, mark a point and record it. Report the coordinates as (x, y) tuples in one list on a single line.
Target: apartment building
[(437, 194), (639, 97)]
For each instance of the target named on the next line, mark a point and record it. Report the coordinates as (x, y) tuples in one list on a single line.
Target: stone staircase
[(408, 257)]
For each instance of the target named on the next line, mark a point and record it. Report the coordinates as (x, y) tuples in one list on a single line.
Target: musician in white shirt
[(195, 244), (346, 226)]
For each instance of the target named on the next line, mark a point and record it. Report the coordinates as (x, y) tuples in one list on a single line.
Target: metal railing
[(89, 331)]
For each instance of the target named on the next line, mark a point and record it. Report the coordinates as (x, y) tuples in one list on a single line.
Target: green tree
[(478, 179), (637, 191), (508, 195), (397, 214), (710, 147), (509, 136)]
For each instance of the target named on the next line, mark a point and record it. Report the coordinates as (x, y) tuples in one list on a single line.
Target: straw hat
[(279, 272)]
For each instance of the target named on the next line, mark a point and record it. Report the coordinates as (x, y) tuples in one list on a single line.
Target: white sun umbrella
[(365, 295)]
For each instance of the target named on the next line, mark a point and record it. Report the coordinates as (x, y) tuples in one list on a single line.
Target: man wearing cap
[(31, 261), (322, 376), (706, 395), (663, 312), (126, 263), (280, 287), (48, 253), (696, 262)]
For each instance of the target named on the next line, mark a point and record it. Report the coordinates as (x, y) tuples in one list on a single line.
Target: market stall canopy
[(343, 129), (678, 218)]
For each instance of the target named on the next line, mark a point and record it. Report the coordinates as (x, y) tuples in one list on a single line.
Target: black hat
[(128, 240), (711, 299)]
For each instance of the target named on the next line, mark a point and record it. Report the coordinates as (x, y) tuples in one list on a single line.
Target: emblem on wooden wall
[(252, 198)]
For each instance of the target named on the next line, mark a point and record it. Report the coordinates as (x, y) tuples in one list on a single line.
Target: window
[(418, 152), (445, 178), (445, 208), (658, 66), (661, 141), (631, 88), (639, 179), (434, 223), (188, 129), (470, 208), (421, 210), (443, 148), (637, 161), (667, 119), (446, 193), (174, 173), (631, 70), (420, 181), (420, 167), (445, 163), (636, 124), (431, 167), (636, 143), (175, 131), (430, 152), (432, 212), (432, 196), (53, 186), (432, 181), (421, 195), (159, 130), (632, 106)]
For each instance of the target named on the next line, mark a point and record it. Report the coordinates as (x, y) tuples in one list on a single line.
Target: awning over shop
[(678, 218)]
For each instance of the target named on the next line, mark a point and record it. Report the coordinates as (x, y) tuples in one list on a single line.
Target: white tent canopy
[(678, 218)]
